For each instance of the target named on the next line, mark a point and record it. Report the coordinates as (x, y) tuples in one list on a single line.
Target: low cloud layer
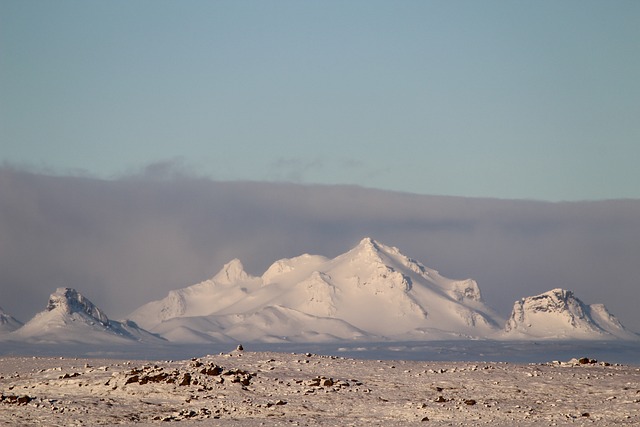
[(125, 242)]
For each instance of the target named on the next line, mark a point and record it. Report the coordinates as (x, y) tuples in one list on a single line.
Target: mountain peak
[(558, 293), (368, 248), (70, 301), (8, 323), (232, 271), (558, 299), (369, 243), (70, 317)]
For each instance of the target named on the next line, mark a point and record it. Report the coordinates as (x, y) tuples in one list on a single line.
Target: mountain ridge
[(372, 292), (374, 288)]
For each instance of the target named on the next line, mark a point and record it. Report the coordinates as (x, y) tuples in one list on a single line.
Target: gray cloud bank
[(127, 241)]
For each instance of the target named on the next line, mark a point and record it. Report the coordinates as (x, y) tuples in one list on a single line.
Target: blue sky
[(527, 99)]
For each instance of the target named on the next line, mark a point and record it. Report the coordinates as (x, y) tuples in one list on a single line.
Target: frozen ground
[(277, 388), (624, 352)]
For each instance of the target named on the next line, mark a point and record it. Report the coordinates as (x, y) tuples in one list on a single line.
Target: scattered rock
[(211, 397), (212, 370), (186, 379), (327, 382), (65, 376), (133, 379), (160, 377), (13, 399)]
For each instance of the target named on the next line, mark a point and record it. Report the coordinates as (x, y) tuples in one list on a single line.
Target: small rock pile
[(204, 375), (324, 383), (16, 400), (580, 361)]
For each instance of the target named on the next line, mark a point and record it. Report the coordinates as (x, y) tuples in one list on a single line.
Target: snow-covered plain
[(246, 388)]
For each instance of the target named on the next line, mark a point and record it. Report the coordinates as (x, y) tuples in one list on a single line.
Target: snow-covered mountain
[(70, 317), (370, 292), (558, 314), (8, 323)]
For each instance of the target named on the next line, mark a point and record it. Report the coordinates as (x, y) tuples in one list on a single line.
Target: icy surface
[(244, 388)]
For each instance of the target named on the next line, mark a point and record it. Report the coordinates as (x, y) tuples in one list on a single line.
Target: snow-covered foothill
[(71, 317), (559, 314)]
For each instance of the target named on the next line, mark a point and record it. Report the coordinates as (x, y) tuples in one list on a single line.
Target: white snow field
[(244, 388)]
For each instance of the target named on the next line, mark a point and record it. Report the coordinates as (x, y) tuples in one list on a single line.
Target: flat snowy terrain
[(243, 388)]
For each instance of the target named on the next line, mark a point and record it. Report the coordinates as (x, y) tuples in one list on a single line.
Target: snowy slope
[(371, 292), (8, 323), (230, 285), (558, 314), (70, 317), (270, 324)]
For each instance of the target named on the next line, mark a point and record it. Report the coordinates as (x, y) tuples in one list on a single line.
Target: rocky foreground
[(250, 389)]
